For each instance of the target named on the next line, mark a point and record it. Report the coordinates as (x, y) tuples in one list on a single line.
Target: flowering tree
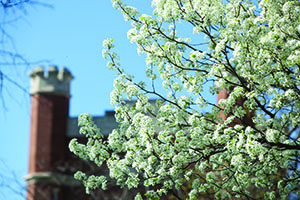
[(252, 51)]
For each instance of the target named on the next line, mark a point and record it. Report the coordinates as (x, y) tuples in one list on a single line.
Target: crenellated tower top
[(53, 81)]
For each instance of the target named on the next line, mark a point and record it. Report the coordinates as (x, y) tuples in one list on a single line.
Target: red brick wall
[(49, 114), (48, 144), (222, 95), (247, 119)]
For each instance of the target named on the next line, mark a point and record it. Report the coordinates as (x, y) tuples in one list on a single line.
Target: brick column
[(247, 119), (50, 92)]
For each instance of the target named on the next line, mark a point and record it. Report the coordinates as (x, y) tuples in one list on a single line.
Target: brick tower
[(246, 120), (51, 164), (50, 93)]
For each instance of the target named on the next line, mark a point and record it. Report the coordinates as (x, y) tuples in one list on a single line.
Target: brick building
[(51, 164)]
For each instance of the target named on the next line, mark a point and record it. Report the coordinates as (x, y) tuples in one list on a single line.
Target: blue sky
[(70, 35)]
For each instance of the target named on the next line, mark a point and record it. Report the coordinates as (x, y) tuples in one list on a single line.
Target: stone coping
[(51, 177)]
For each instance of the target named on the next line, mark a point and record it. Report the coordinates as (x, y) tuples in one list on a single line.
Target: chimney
[(50, 93), (246, 120)]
